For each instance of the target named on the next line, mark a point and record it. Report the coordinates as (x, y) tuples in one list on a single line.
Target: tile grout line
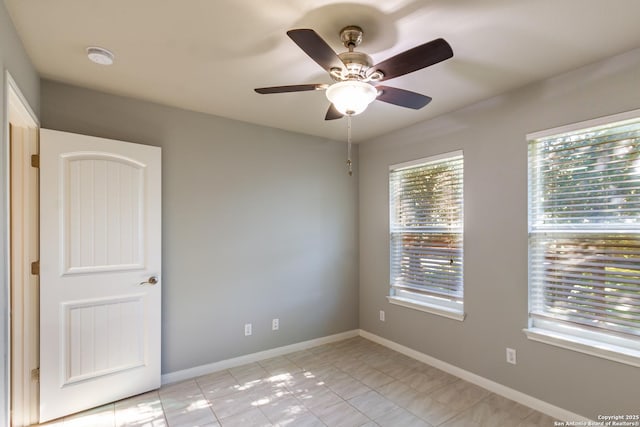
[(463, 411), (208, 402)]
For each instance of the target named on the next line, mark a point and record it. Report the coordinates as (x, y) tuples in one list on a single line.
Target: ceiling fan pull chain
[(349, 163)]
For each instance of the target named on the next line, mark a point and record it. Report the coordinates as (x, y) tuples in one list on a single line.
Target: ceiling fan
[(356, 78)]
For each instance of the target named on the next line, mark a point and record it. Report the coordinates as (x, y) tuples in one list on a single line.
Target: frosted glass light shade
[(351, 97)]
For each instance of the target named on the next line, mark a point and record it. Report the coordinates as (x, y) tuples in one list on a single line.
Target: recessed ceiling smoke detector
[(100, 55)]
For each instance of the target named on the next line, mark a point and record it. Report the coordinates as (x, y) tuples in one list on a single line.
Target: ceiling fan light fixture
[(351, 97)]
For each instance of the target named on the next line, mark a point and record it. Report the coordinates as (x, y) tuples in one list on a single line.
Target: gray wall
[(257, 223), (492, 135), (14, 59), (261, 223)]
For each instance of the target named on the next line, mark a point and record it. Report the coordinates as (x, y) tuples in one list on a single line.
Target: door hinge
[(35, 160), (35, 268), (35, 374)]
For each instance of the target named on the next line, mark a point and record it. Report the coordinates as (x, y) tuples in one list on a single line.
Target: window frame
[(426, 303), (600, 343)]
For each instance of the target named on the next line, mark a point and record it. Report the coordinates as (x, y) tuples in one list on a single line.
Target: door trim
[(20, 308)]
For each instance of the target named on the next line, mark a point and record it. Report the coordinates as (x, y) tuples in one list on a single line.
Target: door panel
[(103, 336), (102, 213), (100, 242)]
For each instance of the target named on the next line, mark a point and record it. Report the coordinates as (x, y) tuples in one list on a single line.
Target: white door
[(99, 259)]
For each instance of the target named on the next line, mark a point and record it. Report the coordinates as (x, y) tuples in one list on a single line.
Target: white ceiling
[(208, 55)]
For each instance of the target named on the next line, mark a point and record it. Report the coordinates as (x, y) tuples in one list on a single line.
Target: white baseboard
[(509, 393), (197, 371)]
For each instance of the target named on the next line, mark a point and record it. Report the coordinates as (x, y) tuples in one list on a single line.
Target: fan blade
[(403, 98), (291, 88), (333, 113), (314, 46), (414, 59)]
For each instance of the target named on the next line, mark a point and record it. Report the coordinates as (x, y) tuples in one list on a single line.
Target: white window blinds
[(426, 225), (584, 229)]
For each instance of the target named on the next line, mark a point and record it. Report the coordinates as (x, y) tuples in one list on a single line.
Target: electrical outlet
[(382, 315), (511, 356), (247, 329), (275, 324)]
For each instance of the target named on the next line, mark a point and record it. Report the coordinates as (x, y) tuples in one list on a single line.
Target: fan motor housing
[(357, 64)]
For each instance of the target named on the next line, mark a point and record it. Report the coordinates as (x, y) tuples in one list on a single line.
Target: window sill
[(428, 308), (582, 345)]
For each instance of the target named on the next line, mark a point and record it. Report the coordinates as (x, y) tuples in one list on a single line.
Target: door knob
[(150, 281)]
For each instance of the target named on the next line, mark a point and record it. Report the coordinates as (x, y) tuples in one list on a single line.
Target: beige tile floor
[(354, 382)]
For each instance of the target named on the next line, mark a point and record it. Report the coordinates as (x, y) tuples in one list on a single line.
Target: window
[(426, 224), (584, 237)]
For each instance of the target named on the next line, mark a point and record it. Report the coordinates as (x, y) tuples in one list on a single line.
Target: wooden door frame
[(20, 288)]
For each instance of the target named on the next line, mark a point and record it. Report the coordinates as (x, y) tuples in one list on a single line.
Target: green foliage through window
[(584, 228), (426, 224)]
